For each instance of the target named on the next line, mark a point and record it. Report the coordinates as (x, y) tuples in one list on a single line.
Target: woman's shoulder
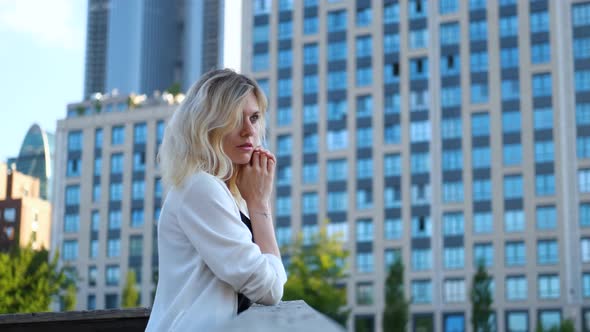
[(203, 183)]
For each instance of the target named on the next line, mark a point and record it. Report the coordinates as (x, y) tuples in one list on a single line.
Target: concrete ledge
[(286, 316)]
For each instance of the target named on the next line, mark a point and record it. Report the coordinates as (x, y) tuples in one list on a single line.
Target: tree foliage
[(566, 325), (130, 298), (395, 315), (29, 281), (481, 300), (316, 272), (174, 89)]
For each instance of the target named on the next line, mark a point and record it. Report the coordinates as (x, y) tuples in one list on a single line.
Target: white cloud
[(51, 23)]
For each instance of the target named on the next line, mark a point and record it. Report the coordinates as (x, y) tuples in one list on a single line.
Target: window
[(116, 191), (337, 201), (478, 30), (72, 195), (453, 223), (421, 227), (583, 147), (364, 137), (337, 50), (310, 143), (420, 131), (283, 206), (517, 321), (539, 22), (97, 166), (91, 302), (310, 113), (391, 72), (451, 128), (391, 13), (118, 135), (421, 291), (98, 138), (160, 126), (310, 54), (114, 219), (585, 250), (547, 252), (364, 262), (283, 175), (285, 58), (581, 48), (262, 7), (75, 141), (516, 288), (261, 33), (285, 30), (285, 87), (364, 293), (448, 6), (514, 221), (421, 259), (548, 286), (393, 228), (582, 80), (477, 4), (137, 218), (338, 229), (392, 196), (336, 80), (95, 221), (584, 180), (481, 157), (542, 85), (454, 257), (336, 21), (449, 65), (337, 170), (364, 76), (391, 43), (453, 192), (73, 167), (364, 168), (480, 124), (363, 16), (139, 133), (512, 186), (420, 163), (392, 134), (454, 322), (260, 61), (139, 161), (452, 160), (392, 165), (310, 203), (418, 38), (512, 154), (136, 246), (550, 319), (508, 26), (116, 163), (545, 184), (581, 14), (284, 145), (449, 34), (515, 254), (70, 250), (584, 214), (310, 173), (113, 247), (541, 53), (310, 25), (112, 275), (418, 70), (586, 285), (543, 118), (510, 89), (93, 252), (479, 93), (391, 256), (483, 253), (283, 235), (455, 290), (417, 8), (479, 62), (511, 122), (71, 223), (546, 217), (364, 230), (483, 223), (482, 190)]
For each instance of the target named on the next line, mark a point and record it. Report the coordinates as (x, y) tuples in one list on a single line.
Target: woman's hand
[(255, 180)]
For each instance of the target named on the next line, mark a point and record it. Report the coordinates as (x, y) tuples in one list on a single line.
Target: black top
[(243, 302)]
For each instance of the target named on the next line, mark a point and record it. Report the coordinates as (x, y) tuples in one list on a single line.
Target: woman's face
[(239, 143)]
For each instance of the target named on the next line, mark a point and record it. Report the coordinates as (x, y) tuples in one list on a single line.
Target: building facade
[(35, 158), (105, 210), (25, 217), (444, 133), (138, 46)]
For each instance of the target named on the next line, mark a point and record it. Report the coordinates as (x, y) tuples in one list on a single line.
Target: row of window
[(73, 198), (75, 138), (113, 248)]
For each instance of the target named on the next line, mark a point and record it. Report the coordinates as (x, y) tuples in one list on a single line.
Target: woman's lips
[(246, 147)]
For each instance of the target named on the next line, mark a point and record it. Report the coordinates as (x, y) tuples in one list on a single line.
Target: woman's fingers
[(255, 160)]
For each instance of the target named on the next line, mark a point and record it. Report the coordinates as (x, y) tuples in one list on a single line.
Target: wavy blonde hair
[(193, 138)]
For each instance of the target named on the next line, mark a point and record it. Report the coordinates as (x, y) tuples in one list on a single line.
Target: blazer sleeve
[(209, 217)]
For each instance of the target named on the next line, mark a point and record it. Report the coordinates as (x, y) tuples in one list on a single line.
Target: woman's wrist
[(259, 208)]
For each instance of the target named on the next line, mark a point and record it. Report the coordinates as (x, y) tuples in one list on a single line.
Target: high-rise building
[(25, 217), (442, 133), (140, 46), (35, 158), (105, 210)]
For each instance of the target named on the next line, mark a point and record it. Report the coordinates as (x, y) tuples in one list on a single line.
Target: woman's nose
[(248, 129)]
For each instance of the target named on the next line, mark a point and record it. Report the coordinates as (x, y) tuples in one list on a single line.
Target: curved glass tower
[(36, 158)]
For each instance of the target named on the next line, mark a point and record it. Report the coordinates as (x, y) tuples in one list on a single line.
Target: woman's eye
[(254, 118)]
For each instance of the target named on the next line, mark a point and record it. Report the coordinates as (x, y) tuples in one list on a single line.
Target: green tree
[(395, 315), (566, 325), (175, 89), (69, 298), (29, 281), (130, 297), (316, 271), (481, 300)]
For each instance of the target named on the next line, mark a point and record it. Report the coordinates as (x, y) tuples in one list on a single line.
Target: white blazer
[(206, 256)]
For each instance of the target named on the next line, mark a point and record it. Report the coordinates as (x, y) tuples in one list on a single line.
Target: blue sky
[(42, 63)]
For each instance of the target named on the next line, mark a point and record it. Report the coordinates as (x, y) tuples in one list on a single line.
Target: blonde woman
[(210, 268)]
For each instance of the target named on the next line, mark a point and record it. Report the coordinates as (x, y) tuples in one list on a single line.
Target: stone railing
[(287, 316)]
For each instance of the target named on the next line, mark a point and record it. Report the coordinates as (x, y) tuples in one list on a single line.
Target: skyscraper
[(138, 46), (442, 133)]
